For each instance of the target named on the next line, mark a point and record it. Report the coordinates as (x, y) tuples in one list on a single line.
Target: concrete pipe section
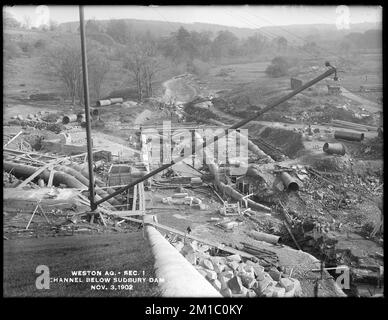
[(347, 135), (102, 103), (261, 236), (181, 279), (116, 100), (289, 182), (334, 148), (81, 117), (69, 118)]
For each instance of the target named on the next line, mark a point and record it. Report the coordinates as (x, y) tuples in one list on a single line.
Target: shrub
[(25, 46), (278, 67), (11, 50), (39, 44)]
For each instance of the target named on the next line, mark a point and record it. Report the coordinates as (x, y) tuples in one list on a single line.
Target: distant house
[(296, 83), (333, 90)]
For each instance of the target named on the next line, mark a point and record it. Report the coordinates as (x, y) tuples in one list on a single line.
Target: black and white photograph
[(201, 151)]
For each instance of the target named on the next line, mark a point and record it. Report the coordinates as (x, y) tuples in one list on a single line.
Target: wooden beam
[(51, 177), (134, 198), (10, 141), (33, 214), (127, 213), (38, 172), (30, 153)]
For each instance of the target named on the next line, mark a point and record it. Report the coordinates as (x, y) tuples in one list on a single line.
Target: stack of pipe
[(108, 102), (230, 191), (62, 175), (347, 135), (352, 125), (69, 118)]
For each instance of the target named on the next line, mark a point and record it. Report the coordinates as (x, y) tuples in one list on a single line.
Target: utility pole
[(93, 205)]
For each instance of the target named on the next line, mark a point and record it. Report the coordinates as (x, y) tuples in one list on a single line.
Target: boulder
[(297, 287), (192, 258), (251, 294), (178, 245), (187, 248), (234, 257), (235, 285), (261, 286), (210, 275), (207, 264), (218, 267), (278, 292), (228, 274), (233, 265), (248, 281), (226, 293), (275, 274), (216, 284), (286, 283), (224, 281)]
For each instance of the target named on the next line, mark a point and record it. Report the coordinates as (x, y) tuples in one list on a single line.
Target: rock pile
[(234, 277)]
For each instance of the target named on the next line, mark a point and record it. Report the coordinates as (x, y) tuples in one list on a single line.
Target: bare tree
[(98, 66), (134, 61), (143, 62), (65, 64), (151, 63)]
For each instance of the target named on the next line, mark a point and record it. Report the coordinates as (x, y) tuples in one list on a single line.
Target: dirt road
[(366, 104), (179, 89)]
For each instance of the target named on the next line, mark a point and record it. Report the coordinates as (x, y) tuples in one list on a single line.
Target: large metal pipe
[(93, 206), (25, 171), (181, 278), (329, 72), (102, 103), (254, 148), (289, 182), (334, 148), (69, 118), (85, 182), (116, 100), (347, 135), (261, 236)]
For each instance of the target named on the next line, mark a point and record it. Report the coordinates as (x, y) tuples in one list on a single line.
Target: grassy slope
[(111, 252)]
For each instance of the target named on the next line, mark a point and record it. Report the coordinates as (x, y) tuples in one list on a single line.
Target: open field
[(104, 252)]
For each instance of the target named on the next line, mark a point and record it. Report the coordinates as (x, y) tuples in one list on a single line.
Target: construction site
[(210, 193)]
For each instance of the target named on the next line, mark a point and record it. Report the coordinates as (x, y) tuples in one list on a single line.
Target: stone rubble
[(232, 276)]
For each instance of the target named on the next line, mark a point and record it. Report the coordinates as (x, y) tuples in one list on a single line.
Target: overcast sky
[(238, 16)]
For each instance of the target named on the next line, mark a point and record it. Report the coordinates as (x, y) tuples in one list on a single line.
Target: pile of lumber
[(267, 258), (352, 125)]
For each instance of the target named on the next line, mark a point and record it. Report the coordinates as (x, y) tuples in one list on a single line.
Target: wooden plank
[(51, 178), (128, 213), (10, 141), (134, 197), (210, 243), (30, 153), (33, 214), (102, 218), (38, 172)]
